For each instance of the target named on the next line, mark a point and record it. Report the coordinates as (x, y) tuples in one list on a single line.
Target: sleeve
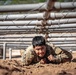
[(28, 56), (62, 55)]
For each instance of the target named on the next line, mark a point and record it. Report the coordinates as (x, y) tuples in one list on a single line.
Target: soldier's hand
[(51, 58), (43, 61)]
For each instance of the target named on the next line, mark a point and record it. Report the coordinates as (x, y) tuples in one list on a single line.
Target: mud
[(15, 67)]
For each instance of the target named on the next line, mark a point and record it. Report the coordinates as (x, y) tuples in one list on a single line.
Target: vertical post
[(46, 37), (49, 7), (10, 53), (4, 51), (50, 4)]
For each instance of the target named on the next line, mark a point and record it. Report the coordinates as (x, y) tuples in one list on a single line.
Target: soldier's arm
[(59, 55), (62, 55), (27, 57)]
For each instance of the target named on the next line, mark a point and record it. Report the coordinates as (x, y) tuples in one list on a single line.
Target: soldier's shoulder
[(50, 45), (29, 47)]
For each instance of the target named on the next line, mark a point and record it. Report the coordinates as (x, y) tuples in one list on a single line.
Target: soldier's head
[(39, 45)]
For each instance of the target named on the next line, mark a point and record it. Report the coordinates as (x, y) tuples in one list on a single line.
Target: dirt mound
[(15, 67)]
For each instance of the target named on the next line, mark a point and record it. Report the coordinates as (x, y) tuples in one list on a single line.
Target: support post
[(4, 51), (10, 53)]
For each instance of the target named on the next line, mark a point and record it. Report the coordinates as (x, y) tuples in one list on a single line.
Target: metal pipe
[(36, 22), (62, 26), (62, 34), (74, 42), (18, 46), (26, 44), (15, 40), (61, 21), (37, 31), (67, 30), (60, 45), (50, 31), (28, 30), (32, 35), (18, 32), (67, 45), (65, 48), (36, 7), (18, 36), (38, 16), (1, 43), (23, 7), (16, 17), (72, 45), (27, 40), (22, 28), (55, 43), (61, 40), (19, 23), (69, 48), (62, 15), (65, 5)]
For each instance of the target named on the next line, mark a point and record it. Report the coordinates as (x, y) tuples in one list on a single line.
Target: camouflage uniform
[(60, 55)]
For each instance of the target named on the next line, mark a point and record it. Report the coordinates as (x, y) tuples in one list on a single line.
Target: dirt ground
[(15, 67)]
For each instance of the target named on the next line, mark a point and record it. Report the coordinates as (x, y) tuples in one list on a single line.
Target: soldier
[(40, 52)]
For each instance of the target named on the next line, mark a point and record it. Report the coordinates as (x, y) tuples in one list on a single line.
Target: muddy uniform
[(29, 56)]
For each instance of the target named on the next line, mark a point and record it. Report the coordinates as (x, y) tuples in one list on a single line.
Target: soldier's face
[(40, 50)]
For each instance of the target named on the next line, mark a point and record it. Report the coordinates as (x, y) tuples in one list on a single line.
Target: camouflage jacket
[(29, 56)]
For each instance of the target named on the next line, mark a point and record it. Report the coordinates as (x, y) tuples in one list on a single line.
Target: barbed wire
[(36, 27), (24, 24)]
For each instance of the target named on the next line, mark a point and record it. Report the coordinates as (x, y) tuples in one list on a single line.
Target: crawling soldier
[(40, 52)]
